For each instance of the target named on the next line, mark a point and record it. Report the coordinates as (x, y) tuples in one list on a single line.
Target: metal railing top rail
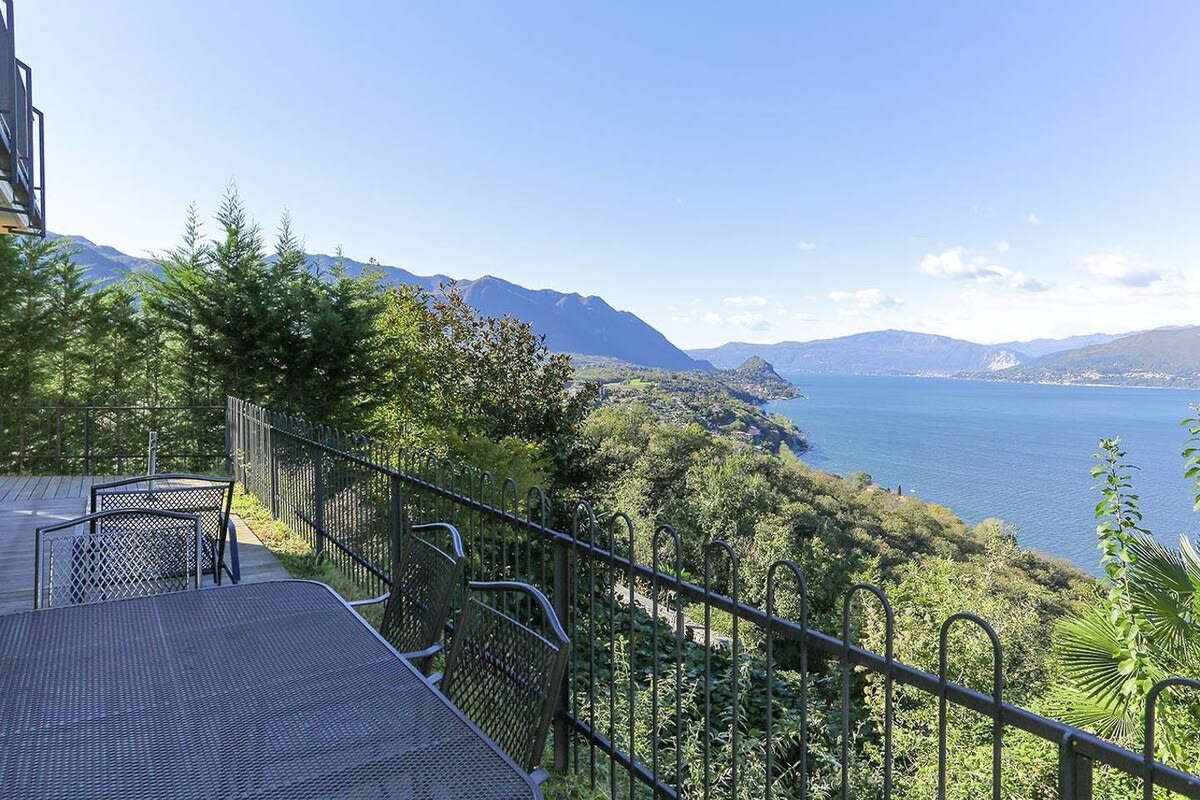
[(97, 406), (1073, 743)]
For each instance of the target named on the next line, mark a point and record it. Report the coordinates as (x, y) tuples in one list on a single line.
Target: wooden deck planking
[(11, 486), (28, 502), (49, 488)]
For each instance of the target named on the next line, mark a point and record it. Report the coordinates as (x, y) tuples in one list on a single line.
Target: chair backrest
[(115, 554), (208, 496), (423, 582), (505, 666)]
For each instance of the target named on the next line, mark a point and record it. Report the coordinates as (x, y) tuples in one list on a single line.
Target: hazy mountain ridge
[(1161, 357), (1166, 357), (889, 352), (1040, 348), (570, 322)]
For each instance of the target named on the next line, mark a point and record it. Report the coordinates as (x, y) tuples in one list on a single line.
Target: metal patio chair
[(505, 667), (424, 578), (208, 496), (116, 554)]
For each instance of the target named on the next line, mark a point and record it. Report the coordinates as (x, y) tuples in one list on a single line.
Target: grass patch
[(295, 553), (571, 786)]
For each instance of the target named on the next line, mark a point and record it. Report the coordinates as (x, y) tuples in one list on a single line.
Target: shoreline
[(794, 378)]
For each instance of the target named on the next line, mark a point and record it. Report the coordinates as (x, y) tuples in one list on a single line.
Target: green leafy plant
[(1145, 627)]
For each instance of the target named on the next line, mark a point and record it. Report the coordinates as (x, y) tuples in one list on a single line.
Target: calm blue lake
[(1015, 451)]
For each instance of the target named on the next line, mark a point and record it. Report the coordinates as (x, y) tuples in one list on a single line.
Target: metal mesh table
[(265, 690)]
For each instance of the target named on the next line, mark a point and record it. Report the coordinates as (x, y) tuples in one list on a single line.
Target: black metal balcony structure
[(22, 140), (676, 686)]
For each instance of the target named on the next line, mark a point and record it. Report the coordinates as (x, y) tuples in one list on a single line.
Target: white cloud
[(1002, 246), (1120, 268), (755, 301), (1033, 219), (806, 245), (750, 321), (1067, 309), (800, 316), (863, 301), (713, 319), (955, 265)]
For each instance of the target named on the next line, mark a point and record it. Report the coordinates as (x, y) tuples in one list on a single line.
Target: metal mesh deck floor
[(267, 690)]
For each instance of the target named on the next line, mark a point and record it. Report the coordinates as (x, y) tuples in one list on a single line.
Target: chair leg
[(235, 573), (218, 554)]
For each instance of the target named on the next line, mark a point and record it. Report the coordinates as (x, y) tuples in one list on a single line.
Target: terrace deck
[(28, 501)]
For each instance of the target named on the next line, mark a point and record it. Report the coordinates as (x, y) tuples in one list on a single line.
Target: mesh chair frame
[(424, 579), (140, 492), (117, 554), (503, 673)]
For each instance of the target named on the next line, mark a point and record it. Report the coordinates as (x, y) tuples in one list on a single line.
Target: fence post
[(562, 609), (274, 472), (319, 496), (87, 441), (1074, 771), (396, 524), (229, 436), (152, 454)]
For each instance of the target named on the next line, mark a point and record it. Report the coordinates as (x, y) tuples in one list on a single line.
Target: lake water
[(1020, 452)]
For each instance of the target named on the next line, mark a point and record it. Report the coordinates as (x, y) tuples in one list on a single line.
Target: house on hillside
[(22, 139)]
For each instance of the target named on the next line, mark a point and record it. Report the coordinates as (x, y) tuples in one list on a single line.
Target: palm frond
[(1081, 710), (1169, 620), (1158, 567), (1191, 560), (1095, 658)]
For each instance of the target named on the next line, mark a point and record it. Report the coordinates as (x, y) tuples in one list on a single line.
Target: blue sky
[(747, 171)]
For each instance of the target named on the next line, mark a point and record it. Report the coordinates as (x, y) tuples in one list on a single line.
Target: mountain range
[(877, 352), (1164, 357), (587, 325), (571, 323), (1161, 357)]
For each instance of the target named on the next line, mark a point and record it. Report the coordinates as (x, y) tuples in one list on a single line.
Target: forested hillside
[(727, 403)]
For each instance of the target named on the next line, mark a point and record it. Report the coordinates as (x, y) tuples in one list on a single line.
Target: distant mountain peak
[(1003, 359), (571, 322), (755, 364)]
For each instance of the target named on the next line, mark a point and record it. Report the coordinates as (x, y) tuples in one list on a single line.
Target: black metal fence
[(110, 440), (678, 688)]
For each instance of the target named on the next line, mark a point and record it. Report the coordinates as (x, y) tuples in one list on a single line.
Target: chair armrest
[(369, 601), (421, 659), (539, 776), (422, 655)]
